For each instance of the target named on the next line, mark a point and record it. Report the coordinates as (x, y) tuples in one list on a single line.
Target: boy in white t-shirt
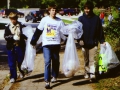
[(50, 27)]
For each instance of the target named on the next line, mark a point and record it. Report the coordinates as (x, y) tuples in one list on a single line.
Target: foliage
[(96, 11), (59, 3), (81, 5), (111, 80), (112, 34), (115, 12)]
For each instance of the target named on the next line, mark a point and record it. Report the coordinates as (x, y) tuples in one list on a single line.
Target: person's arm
[(80, 39), (100, 33), (37, 32), (36, 36), (7, 35)]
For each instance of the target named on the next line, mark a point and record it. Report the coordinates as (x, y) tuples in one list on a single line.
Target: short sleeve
[(41, 24)]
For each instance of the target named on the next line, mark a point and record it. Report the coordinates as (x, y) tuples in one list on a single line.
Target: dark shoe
[(47, 85)]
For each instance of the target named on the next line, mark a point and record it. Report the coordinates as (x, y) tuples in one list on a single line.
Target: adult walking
[(50, 27), (15, 45), (92, 34)]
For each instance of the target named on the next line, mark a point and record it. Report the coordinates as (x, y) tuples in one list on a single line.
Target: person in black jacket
[(92, 34), (15, 45)]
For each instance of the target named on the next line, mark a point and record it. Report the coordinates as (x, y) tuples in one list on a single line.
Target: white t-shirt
[(51, 30)]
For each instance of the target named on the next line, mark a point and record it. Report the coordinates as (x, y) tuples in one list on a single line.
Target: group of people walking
[(50, 27)]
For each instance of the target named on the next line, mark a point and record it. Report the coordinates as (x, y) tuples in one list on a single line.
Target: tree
[(59, 3)]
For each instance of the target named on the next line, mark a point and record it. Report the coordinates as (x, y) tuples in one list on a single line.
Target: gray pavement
[(4, 69)]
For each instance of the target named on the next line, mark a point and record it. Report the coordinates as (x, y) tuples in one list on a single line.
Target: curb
[(8, 86)]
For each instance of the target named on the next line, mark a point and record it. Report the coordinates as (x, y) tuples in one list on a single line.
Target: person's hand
[(33, 44), (64, 43), (34, 47), (104, 43)]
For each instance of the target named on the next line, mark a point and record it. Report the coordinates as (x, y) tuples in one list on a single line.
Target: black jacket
[(9, 38), (92, 30)]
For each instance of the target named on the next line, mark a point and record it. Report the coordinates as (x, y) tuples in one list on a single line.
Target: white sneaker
[(53, 80), (92, 76), (47, 85), (21, 75), (12, 80), (86, 76)]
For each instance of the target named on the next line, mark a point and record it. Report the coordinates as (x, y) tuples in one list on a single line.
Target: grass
[(5, 81), (108, 83), (75, 18), (67, 21)]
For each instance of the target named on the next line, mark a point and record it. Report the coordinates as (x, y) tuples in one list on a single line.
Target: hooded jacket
[(92, 30)]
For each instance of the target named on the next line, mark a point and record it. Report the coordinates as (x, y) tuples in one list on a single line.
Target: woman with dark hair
[(92, 34), (15, 45)]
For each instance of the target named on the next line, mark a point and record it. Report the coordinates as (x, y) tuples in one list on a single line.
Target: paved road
[(3, 52)]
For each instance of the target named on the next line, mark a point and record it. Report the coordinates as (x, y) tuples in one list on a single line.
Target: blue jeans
[(51, 52), (15, 56), (102, 21)]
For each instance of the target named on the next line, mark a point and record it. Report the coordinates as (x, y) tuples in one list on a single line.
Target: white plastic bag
[(75, 28), (110, 59), (71, 62), (30, 52)]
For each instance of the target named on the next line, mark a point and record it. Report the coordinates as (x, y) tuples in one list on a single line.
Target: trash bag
[(71, 62), (75, 27), (30, 52), (107, 58)]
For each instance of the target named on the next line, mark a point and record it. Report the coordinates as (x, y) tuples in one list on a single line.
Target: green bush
[(115, 12), (96, 11), (112, 34)]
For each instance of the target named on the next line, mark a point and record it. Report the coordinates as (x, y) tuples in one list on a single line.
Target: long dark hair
[(89, 4)]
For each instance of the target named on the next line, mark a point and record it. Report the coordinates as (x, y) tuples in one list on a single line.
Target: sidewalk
[(4, 69), (36, 80)]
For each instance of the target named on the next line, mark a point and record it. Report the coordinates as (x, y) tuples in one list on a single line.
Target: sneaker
[(12, 80), (92, 76), (53, 80), (47, 85), (86, 76), (21, 75)]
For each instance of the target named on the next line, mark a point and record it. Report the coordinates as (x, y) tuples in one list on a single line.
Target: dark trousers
[(15, 58)]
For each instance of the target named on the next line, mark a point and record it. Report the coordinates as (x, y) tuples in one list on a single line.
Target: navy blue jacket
[(9, 38), (92, 30)]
